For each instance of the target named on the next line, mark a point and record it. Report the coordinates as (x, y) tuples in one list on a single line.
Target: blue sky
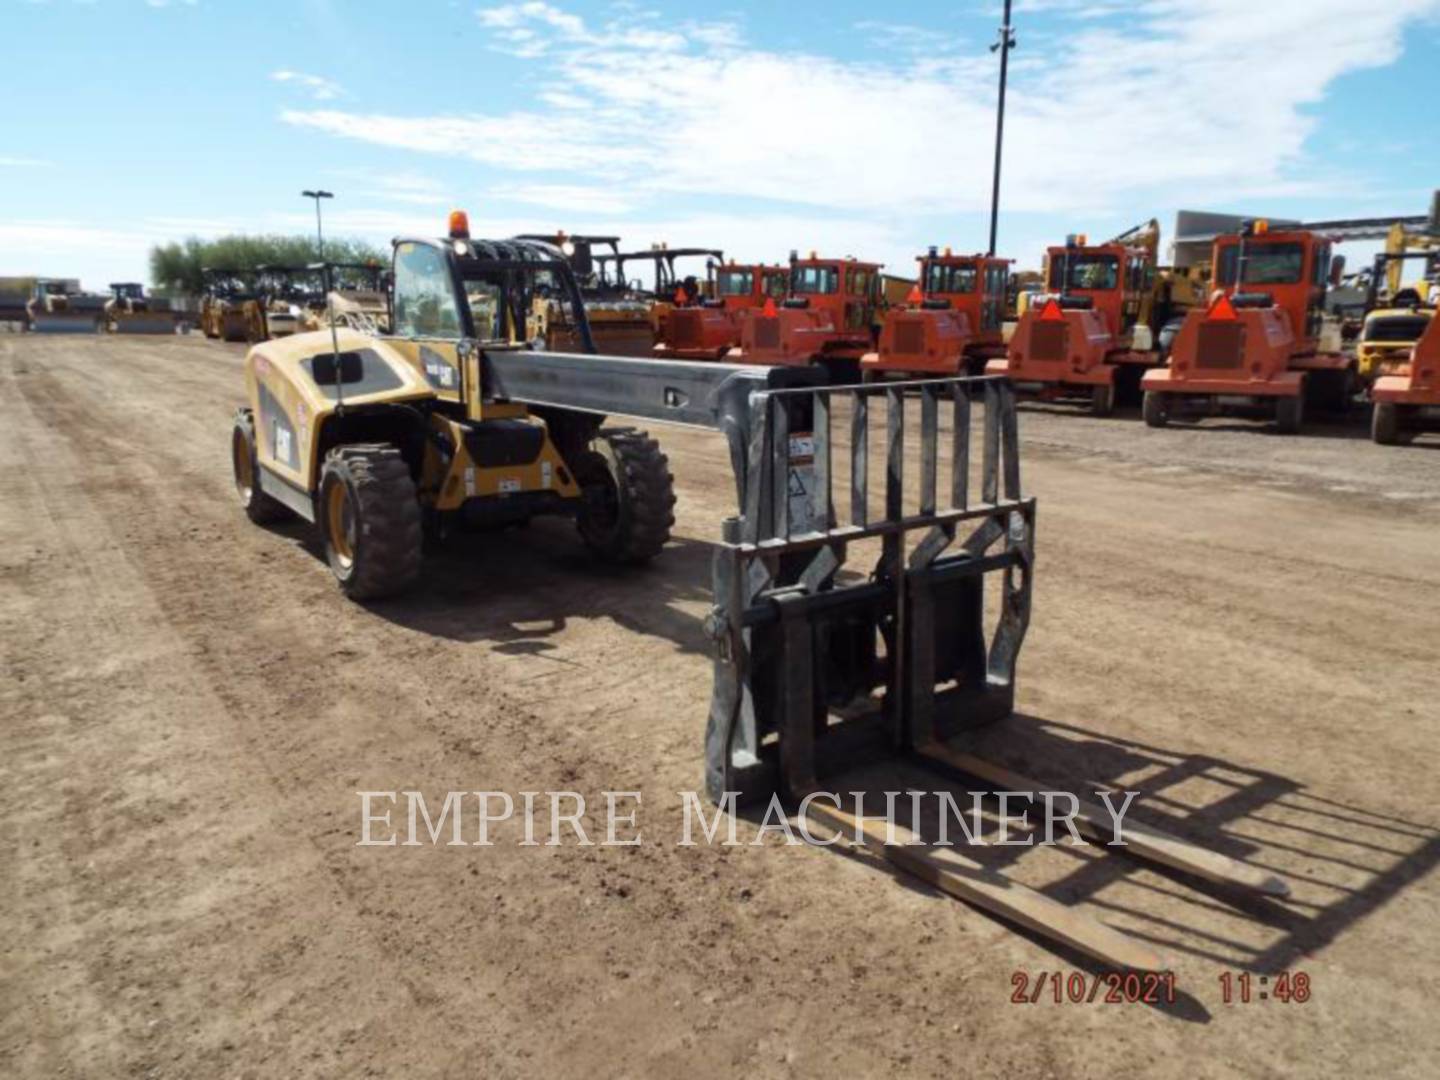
[(852, 128)]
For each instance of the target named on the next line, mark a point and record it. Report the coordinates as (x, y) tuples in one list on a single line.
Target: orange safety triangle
[(679, 296), (915, 296), (769, 310), (1222, 310), (1052, 312)]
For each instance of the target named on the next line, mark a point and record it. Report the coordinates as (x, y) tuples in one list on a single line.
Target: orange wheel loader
[(1258, 348), (708, 328), (826, 320), (952, 322), (1091, 337)]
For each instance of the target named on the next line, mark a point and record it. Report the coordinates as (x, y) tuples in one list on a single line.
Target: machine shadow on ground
[(1352, 862), (517, 586)]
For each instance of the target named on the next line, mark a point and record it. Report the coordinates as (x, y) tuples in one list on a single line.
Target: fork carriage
[(802, 650)]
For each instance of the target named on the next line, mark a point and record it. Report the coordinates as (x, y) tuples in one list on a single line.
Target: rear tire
[(369, 516), (628, 497), (1290, 414), (259, 507), (1102, 400), (1155, 409), (1387, 425)]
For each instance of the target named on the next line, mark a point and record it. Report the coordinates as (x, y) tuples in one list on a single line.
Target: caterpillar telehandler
[(457, 419), (457, 416)]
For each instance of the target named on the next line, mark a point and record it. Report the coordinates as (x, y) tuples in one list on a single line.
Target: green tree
[(176, 267)]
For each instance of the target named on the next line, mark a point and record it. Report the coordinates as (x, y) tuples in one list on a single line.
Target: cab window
[(1080, 271), (1278, 263), (940, 278), (424, 297), (823, 280), (857, 282), (734, 283), (775, 285)]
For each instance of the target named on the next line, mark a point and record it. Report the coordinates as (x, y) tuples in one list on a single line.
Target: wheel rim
[(244, 471), (340, 524)]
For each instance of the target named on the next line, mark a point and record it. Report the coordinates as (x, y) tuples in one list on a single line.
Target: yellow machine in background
[(1387, 337)]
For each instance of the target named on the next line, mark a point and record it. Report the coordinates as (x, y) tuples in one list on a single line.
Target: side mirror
[(323, 369), (1337, 270)]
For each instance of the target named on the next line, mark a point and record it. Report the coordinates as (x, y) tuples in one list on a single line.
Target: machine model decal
[(439, 372)]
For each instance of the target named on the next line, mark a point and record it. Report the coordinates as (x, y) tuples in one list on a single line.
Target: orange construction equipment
[(1256, 348), (1062, 349), (707, 329), (827, 319), (1090, 337), (1409, 403), (921, 337), (952, 322)]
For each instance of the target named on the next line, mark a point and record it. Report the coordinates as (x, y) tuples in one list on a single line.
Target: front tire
[(1154, 409), (259, 507), (627, 497), (369, 516), (1290, 414), (1102, 400)]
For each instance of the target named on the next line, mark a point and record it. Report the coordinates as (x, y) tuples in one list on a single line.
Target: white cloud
[(575, 198), (1165, 109), (321, 89)]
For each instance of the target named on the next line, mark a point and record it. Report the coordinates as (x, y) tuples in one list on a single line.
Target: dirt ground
[(1241, 627)]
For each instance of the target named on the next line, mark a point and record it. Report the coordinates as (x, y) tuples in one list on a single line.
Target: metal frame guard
[(796, 661)]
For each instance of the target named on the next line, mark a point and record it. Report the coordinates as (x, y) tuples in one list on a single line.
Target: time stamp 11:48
[(1155, 988)]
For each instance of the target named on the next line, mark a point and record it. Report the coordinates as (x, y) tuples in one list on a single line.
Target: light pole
[(336, 359), (1003, 46), (317, 195)]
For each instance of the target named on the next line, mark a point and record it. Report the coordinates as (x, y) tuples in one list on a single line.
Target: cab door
[(992, 303)]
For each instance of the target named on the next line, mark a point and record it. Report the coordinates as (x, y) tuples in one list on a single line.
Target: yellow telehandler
[(458, 415)]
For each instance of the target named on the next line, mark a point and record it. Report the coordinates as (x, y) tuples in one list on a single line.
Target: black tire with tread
[(1388, 427), (1154, 409), (1102, 400), (628, 497), (259, 507), (388, 539), (1290, 414), (1385, 423)]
